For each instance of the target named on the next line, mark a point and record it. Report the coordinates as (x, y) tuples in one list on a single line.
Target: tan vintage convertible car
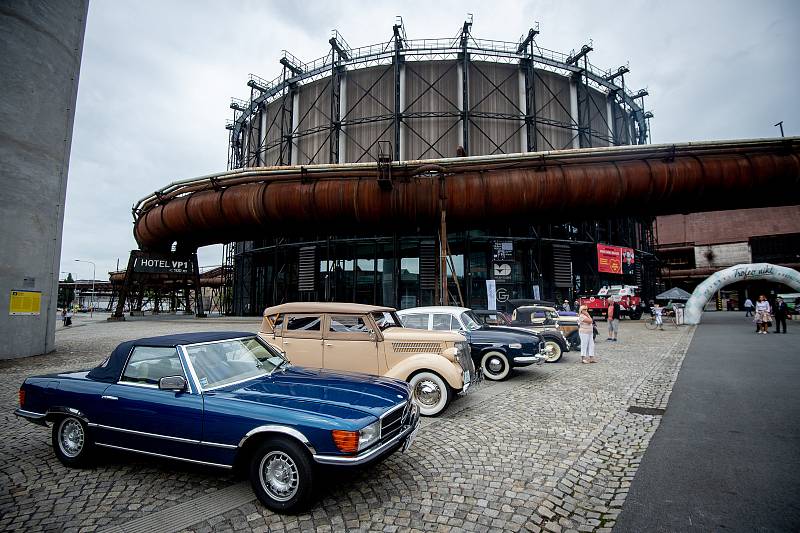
[(370, 339)]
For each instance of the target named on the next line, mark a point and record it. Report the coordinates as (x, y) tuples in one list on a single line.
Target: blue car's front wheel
[(281, 474)]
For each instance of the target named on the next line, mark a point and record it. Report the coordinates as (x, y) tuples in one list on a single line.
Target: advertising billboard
[(615, 259)]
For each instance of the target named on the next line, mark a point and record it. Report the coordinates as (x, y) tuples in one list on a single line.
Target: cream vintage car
[(370, 339)]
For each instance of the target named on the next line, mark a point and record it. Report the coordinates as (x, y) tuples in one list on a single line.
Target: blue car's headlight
[(369, 435)]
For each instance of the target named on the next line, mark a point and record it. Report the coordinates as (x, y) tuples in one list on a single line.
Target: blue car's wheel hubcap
[(71, 438), (279, 476)]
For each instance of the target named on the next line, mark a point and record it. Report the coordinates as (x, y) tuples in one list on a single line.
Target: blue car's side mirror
[(174, 383)]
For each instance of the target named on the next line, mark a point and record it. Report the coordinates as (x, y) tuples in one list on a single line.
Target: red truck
[(629, 301)]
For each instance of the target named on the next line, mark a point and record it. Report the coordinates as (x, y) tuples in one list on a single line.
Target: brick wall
[(721, 255), (717, 227)]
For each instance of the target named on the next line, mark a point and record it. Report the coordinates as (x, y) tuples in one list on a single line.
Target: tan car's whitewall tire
[(430, 392), (495, 365), (552, 351)]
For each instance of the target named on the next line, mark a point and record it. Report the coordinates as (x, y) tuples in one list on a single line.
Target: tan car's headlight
[(451, 353)]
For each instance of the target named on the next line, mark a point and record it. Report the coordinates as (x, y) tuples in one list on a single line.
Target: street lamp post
[(91, 301)]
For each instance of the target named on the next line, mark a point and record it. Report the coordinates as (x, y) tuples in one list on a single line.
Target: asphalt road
[(726, 456)]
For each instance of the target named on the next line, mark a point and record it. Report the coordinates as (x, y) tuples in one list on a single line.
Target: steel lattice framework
[(268, 128), (416, 99)]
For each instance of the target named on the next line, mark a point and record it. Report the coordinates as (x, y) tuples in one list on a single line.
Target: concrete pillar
[(41, 44), (573, 113)]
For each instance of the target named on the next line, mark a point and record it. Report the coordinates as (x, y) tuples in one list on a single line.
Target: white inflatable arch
[(706, 290)]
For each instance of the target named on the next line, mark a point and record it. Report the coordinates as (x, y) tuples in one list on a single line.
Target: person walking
[(586, 333), (565, 306), (657, 313), (613, 320), (748, 307), (68, 317), (763, 314), (781, 310), (64, 316)]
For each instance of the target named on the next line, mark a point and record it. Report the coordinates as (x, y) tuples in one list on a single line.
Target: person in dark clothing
[(780, 312)]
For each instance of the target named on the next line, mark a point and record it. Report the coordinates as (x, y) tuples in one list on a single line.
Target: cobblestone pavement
[(554, 448)]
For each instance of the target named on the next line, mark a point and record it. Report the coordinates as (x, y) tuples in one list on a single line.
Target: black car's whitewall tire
[(282, 475), (495, 365), (430, 392), (71, 442), (552, 351)]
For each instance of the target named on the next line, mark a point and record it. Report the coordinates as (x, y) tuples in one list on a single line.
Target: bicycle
[(667, 319)]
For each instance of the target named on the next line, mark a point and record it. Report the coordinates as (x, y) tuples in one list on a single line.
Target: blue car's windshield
[(221, 363)]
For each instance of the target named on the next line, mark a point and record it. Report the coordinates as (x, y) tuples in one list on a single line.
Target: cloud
[(157, 77)]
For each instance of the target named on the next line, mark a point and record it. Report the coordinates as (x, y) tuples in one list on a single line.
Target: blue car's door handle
[(106, 397)]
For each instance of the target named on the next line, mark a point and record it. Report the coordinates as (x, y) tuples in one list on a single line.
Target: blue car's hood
[(327, 392)]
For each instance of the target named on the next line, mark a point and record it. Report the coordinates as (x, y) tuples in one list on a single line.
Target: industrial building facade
[(417, 99), (694, 246)]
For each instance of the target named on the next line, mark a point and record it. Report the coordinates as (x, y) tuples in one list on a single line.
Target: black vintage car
[(556, 342), (495, 349)]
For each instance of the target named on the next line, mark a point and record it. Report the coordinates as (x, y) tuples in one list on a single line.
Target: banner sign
[(162, 264), (502, 271), (503, 250), (491, 295), (615, 259), (25, 303), (627, 261)]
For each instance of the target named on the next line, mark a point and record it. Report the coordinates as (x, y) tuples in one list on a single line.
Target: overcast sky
[(157, 77)]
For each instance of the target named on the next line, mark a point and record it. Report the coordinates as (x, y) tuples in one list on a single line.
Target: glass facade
[(550, 262)]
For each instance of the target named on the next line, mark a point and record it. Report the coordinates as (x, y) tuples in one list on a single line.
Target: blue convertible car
[(225, 400)]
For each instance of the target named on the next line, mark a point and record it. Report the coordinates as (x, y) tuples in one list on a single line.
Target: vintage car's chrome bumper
[(376, 452), (536, 359), (36, 418), (530, 359)]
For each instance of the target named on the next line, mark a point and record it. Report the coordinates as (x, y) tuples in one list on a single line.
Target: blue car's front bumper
[(382, 449)]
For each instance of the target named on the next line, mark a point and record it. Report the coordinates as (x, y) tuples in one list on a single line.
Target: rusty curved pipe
[(559, 185)]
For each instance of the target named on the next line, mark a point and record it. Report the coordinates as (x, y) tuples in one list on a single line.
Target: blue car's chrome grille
[(392, 422)]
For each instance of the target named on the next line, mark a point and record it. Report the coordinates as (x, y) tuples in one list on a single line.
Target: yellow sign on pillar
[(25, 303)]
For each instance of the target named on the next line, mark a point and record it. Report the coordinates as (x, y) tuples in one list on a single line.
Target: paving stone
[(551, 449)]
